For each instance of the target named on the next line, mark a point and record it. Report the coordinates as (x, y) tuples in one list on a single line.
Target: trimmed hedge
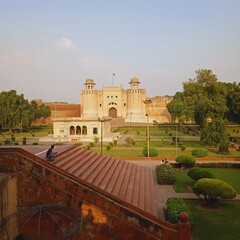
[(152, 152), (174, 207), (165, 174), (212, 189), (197, 173), (199, 153), (185, 160)]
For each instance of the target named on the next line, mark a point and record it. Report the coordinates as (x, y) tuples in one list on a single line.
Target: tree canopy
[(209, 103), (16, 111)]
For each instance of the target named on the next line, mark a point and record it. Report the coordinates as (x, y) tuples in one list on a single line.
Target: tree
[(233, 102), (176, 107), (15, 111), (204, 98), (214, 134), (213, 189)]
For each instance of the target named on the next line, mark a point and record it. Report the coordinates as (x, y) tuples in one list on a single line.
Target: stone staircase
[(124, 180)]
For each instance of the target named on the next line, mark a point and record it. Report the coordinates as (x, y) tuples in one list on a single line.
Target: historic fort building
[(98, 109)]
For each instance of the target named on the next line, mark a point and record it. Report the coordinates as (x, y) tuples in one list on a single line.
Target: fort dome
[(89, 81), (134, 80)]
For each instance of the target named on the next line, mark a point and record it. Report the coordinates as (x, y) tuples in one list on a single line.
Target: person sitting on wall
[(50, 154)]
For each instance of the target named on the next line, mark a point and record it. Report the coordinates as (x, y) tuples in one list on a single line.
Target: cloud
[(65, 43)]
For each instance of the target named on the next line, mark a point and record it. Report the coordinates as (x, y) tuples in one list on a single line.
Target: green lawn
[(221, 224), (229, 175)]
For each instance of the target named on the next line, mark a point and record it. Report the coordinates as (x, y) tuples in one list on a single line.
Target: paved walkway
[(166, 191)]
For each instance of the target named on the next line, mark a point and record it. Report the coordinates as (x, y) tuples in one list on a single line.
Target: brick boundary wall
[(105, 217)]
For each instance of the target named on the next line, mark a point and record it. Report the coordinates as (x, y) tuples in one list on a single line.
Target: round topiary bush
[(199, 152), (197, 173), (185, 160), (212, 189), (152, 152), (165, 174)]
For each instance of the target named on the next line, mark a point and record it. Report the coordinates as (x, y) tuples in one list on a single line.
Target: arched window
[(84, 130), (72, 130), (78, 130)]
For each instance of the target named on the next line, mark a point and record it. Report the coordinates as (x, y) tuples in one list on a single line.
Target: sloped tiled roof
[(123, 180)]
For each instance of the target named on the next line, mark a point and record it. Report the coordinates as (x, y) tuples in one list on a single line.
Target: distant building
[(98, 107)]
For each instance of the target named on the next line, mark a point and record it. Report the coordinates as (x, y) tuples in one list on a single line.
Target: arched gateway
[(113, 112)]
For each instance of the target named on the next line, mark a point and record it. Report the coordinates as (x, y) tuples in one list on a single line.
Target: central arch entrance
[(112, 112)]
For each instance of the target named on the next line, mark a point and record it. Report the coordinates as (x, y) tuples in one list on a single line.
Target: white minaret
[(88, 100)]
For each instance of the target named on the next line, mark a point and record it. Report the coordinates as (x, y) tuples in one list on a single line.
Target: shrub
[(6, 142), (165, 174), (174, 207), (199, 152), (152, 152), (91, 144), (197, 173), (111, 144), (108, 147), (212, 189), (87, 147), (24, 141), (35, 143), (115, 142), (130, 141), (15, 143), (13, 138), (185, 160)]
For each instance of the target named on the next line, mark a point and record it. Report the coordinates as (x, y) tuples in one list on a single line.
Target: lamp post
[(147, 102), (101, 122), (148, 142)]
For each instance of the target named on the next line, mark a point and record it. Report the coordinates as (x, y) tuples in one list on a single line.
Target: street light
[(148, 142), (101, 121), (147, 102)]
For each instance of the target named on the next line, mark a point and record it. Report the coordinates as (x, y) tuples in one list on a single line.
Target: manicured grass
[(229, 175), (220, 224)]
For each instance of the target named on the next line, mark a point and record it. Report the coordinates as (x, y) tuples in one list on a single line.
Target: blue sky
[(49, 48)]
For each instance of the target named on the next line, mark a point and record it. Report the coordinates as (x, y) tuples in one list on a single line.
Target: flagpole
[(112, 78)]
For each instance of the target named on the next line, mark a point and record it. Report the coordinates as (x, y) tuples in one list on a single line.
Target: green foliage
[(24, 141), (233, 101), (185, 160), (199, 152), (215, 134), (6, 142), (197, 173), (87, 147), (111, 144), (129, 141), (91, 144), (108, 147), (174, 207), (212, 189), (165, 174), (152, 152), (35, 143), (176, 107), (16, 111), (115, 142)]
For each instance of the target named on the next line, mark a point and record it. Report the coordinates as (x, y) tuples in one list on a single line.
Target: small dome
[(134, 80), (89, 82)]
